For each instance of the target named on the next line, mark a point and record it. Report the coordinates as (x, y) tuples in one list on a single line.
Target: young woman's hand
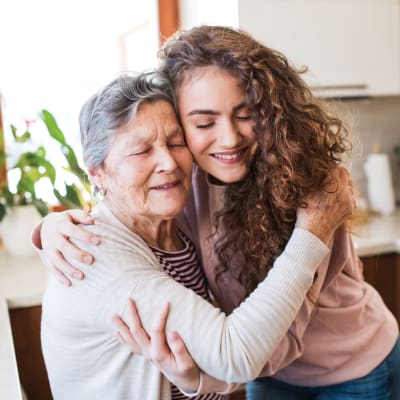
[(166, 351), (328, 209), (53, 235)]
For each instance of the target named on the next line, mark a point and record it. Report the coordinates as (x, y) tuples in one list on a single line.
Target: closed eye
[(243, 117), (138, 153), (205, 126)]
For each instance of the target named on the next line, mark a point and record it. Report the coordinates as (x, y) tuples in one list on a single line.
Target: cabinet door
[(351, 47), (383, 272), (25, 324)]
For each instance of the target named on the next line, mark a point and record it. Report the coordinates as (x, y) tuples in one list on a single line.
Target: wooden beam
[(168, 18)]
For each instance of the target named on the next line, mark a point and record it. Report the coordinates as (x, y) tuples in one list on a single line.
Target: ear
[(97, 176)]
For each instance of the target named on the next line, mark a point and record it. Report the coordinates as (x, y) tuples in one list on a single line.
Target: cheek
[(127, 176), (186, 164), (118, 185), (196, 143), (249, 132)]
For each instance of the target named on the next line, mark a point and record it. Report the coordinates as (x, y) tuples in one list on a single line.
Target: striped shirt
[(183, 266)]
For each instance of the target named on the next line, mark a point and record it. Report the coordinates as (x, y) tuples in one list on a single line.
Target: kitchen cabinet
[(25, 323), (383, 272), (351, 47)]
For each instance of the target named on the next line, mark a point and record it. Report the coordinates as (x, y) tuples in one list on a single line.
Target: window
[(55, 54)]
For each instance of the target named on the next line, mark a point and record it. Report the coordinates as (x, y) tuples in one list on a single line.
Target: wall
[(372, 121)]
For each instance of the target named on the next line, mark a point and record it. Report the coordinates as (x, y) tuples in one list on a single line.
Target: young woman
[(344, 342), (136, 156)]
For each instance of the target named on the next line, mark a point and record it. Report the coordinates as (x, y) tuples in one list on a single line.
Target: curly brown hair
[(299, 143)]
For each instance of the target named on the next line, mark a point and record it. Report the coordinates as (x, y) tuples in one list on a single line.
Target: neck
[(156, 232)]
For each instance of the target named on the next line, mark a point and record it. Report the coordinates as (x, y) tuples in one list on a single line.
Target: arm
[(291, 347), (232, 348), (326, 211), (168, 353), (140, 342), (55, 230)]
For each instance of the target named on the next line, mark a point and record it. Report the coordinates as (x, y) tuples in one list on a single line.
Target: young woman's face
[(217, 123)]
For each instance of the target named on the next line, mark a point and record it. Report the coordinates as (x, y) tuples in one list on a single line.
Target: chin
[(171, 213), (231, 177)]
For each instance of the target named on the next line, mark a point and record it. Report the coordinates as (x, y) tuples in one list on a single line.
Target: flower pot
[(16, 229)]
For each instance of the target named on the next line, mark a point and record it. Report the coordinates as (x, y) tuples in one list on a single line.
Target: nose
[(229, 134), (165, 160)]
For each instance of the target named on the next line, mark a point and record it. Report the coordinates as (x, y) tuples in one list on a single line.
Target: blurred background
[(54, 54)]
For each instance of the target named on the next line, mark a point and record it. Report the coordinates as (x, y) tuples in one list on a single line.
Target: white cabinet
[(351, 47)]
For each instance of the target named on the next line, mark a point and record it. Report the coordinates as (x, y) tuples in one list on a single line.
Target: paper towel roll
[(379, 183)]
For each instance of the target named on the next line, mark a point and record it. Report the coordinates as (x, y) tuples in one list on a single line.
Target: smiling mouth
[(230, 155), (166, 186)]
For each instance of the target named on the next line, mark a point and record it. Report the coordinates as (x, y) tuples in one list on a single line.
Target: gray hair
[(113, 107)]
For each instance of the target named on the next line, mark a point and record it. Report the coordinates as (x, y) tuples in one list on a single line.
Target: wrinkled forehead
[(151, 119)]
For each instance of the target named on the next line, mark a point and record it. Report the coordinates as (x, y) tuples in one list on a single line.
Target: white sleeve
[(231, 348), (208, 384)]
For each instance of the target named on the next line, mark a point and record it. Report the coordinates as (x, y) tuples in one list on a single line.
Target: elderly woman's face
[(148, 169)]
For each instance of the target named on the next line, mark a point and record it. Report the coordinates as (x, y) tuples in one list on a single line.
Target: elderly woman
[(138, 161)]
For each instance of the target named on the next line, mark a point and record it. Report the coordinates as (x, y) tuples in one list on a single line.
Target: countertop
[(23, 281), (381, 234)]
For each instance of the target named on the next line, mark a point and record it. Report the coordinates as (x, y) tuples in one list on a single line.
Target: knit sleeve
[(232, 348)]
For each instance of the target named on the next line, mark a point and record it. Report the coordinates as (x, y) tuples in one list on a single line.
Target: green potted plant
[(21, 202)]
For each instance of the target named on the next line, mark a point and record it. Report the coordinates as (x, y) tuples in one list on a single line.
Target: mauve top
[(342, 335)]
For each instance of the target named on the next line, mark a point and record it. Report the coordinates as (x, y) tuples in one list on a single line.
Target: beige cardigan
[(85, 360)]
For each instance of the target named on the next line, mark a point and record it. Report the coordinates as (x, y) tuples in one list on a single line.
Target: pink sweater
[(346, 333)]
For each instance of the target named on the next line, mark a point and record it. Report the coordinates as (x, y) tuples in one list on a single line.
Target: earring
[(102, 192)]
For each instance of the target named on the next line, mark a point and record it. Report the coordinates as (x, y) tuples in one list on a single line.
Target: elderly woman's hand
[(52, 236), (167, 352), (328, 209)]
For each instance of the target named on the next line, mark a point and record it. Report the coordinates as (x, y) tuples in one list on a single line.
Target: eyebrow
[(212, 112)]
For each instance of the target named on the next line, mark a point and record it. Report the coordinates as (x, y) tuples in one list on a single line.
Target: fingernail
[(94, 240), (172, 336), (87, 259), (77, 275)]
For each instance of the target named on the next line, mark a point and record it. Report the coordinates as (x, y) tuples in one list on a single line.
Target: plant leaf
[(20, 139), (70, 200), (24, 186), (68, 152), (41, 206), (52, 126), (2, 211), (73, 194), (41, 152), (7, 196), (36, 167)]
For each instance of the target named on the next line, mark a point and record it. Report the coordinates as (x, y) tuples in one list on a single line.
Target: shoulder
[(117, 241)]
